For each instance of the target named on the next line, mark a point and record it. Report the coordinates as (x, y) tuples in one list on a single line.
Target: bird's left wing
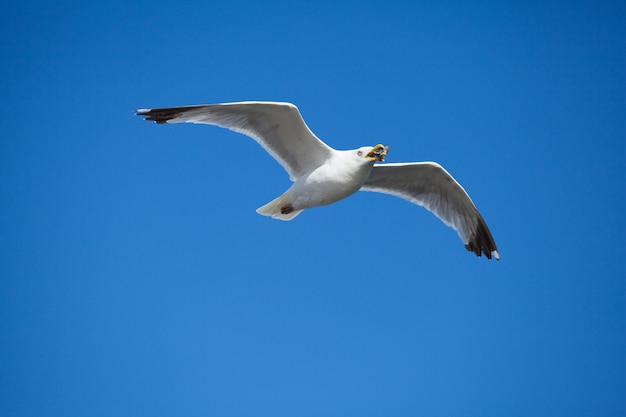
[(432, 187), (277, 127)]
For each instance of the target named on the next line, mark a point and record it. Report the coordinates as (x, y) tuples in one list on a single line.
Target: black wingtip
[(482, 242), (160, 116)]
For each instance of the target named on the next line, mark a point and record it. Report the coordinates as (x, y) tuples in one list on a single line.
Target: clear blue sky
[(137, 279)]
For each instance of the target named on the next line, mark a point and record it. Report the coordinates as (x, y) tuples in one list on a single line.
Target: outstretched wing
[(277, 127), (429, 185)]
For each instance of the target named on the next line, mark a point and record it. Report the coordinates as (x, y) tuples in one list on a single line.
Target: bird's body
[(342, 175), (323, 175)]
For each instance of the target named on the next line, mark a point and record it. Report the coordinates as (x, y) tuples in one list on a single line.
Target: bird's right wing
[(429, 185), (277, 127)]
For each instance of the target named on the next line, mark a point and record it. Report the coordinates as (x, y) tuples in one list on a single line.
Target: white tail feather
[(273, 209)]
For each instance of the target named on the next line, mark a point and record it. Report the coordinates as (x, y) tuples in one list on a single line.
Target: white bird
[(323, 175)]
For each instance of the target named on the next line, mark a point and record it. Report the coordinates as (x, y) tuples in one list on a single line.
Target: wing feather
[(429, 185), (277, 127)]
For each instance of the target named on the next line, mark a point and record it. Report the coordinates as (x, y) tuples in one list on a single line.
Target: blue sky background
[(137, 279)]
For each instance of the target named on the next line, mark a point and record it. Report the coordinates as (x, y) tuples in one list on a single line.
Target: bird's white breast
[(340, 177)]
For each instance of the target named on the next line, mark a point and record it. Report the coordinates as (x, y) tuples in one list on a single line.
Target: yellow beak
[(378, 153)]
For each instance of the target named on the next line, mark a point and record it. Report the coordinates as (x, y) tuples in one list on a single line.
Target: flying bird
[(322, 175)]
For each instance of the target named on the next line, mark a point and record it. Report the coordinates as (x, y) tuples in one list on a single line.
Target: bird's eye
[(360, 153)]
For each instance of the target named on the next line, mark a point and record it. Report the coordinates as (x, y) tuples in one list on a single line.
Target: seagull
[(322, 175)]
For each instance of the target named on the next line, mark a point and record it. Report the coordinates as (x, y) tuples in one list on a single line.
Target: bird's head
[(373, 153)]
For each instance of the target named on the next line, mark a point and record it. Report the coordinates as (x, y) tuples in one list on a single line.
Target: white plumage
[(323, 175)]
